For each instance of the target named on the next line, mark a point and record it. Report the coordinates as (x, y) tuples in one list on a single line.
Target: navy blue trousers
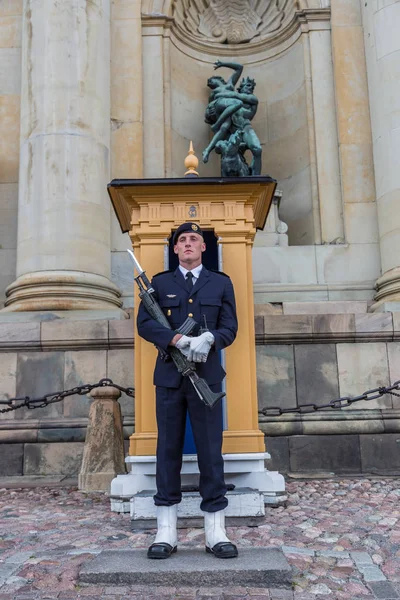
[(171, 407)]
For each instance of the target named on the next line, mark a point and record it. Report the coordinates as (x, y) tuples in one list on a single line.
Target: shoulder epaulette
[(163, 272), (219, 272)]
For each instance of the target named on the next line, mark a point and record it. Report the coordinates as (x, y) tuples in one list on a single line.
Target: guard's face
[(189, 248)]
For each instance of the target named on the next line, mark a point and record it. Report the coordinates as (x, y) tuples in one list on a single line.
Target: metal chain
[(42, 401), (271, 411), (276, 411)]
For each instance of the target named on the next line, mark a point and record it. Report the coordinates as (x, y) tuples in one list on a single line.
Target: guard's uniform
[(211, 297)]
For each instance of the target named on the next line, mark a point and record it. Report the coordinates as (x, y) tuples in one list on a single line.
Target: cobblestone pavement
[(341, 537)]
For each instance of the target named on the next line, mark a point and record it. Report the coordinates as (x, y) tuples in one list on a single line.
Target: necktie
[(189, 281)]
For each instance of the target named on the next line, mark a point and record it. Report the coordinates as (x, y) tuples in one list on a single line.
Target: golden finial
[(191, 163)]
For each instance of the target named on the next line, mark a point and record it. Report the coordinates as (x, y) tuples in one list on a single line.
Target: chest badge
[(171, 295)]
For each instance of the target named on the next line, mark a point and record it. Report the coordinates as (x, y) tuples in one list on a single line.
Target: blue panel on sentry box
[(189, 447)]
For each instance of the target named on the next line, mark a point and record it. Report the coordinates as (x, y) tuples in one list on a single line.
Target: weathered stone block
[(334, 326), (331, 453), (62, 333), (374, 325), (324, 308), (121, 333), (363, 367), (40, 373), (276, 326), (66, 434), (8, 373), (394, 361), (15, 436), (275, 376), (19, 335), (278, 447), (82, 367), (120, 370), (396, 325), (267, 309), (11, 459), (53, 459), (316, 373), (259, 325), (380, 453)]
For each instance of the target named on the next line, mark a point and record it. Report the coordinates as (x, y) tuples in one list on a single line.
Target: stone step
[(263, 567), (243, 502), (327, 307)]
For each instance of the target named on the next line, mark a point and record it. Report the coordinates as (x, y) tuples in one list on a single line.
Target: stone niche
[(277, 63), (305, 70)]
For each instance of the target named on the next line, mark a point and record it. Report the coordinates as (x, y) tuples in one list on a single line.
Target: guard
[(208, 297)]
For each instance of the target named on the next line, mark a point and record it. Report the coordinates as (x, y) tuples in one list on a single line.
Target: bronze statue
[(230, 112)]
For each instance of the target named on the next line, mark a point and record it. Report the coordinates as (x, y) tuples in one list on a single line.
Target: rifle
[(186, 368)]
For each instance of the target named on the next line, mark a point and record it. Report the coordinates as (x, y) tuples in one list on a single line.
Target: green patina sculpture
[(229, 112)]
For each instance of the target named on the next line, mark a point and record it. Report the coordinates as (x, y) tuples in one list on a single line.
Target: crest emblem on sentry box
[(193, 213)]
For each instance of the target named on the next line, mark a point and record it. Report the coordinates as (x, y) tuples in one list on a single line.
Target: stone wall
[(43, 357), (301, 358), (10, 99)]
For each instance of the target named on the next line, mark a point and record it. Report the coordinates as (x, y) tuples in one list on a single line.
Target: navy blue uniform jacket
[(211, 296)]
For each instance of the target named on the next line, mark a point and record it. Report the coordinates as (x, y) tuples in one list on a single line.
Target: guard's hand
[(183, 344), (200, 347)]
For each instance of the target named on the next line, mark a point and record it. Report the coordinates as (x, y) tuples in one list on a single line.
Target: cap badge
[(194, 227)]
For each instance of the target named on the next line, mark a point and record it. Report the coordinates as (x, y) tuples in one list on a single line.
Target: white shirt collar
[(195, 272)]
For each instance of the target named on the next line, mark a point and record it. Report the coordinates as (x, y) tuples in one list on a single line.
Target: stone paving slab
[(340, 536), (255, 566)]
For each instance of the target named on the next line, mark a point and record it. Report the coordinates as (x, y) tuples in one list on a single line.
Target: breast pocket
[(210, 307), (170, 307)]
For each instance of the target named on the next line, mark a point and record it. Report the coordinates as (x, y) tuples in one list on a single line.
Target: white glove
[(200, 347), (183, 344)]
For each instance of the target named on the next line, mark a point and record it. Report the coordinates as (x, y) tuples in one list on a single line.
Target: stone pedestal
[(103, 454), (245, 471), (275, 230)]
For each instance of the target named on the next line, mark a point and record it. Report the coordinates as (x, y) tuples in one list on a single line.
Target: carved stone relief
[(231, 21)]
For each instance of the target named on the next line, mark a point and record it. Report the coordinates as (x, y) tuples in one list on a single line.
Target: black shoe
[(161, 550), (223, 550)]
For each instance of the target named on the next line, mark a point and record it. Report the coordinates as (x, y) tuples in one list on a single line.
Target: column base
[(245, 471), (61, 290), (388, 290)]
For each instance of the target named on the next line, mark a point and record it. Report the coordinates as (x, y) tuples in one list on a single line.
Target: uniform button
[(190, 300), (190, 315)]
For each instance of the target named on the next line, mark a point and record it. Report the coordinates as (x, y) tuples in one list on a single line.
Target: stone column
[(63, 255), (382, 48), (103, 454), (354, 127), (326, 137)]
